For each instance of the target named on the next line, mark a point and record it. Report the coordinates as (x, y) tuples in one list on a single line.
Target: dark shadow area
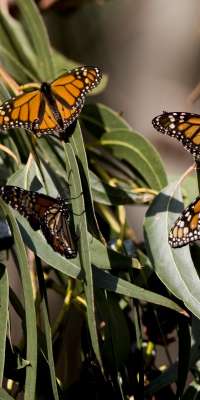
[(164, 203)]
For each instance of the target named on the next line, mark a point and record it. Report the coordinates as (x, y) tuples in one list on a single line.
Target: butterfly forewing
[(184, 126), (24, 202), (70, 91), (52, 216), (186, 229)]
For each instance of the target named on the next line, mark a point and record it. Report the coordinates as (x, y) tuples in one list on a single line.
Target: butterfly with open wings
[(53, 107)]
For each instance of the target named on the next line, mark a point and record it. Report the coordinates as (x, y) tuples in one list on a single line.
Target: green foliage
[(112, 272)]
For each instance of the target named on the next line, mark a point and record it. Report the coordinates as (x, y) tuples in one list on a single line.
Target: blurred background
[(149, 49)]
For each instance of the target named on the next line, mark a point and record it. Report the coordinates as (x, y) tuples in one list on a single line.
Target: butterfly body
[(52, 216), (51, 100), (52, 107), (184, 126), (186, 229)]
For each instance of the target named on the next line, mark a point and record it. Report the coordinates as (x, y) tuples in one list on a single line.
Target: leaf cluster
[(107, 293)]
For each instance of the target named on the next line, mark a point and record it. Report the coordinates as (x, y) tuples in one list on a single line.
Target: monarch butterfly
[(183, 126), (50, 215), (186, 229), (54, 106)]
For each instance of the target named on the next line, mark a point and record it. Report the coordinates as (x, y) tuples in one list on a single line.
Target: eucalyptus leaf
[(17, 40), (84, 248), (139, 153), (31, 339), (36, 31), (38, 244), (19, 72), (174, 267)]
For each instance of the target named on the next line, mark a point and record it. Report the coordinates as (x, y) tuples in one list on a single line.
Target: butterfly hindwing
[(186, 229), (52, 216), (57, 229), (184, 126), (52, 107)]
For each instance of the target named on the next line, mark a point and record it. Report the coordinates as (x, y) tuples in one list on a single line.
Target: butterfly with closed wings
[(186, 229), (183, 126), (52, 216), (53, 107)]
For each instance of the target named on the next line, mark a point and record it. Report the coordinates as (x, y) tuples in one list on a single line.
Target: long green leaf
[(79, 150), (139, 153), (31, 330), (18, 71), (47, 329), (17, 39), (84, 251), (99, 119), (101, 256), (37, 33), (4, 299), (107, 281), (71, 268)]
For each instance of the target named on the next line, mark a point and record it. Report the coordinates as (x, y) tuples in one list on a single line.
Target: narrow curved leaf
[(79, 150), (31, 330), (99, 119), (47, 329), (102, 279), (139, 153), (37, 33), (17, 42), (84, 250), (18, 71)]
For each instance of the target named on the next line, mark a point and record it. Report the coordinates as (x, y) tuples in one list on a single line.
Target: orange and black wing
[(31, 205), (186, 229), (184, 126), (58, 229), (30, 111), (70, 90), (50, 215)]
